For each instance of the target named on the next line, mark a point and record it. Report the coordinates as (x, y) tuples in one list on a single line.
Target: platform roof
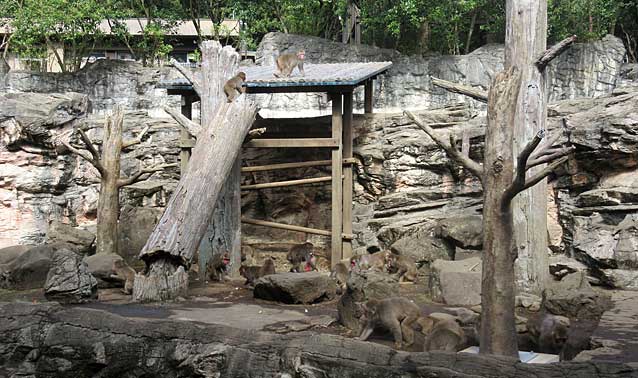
[(325, 77)]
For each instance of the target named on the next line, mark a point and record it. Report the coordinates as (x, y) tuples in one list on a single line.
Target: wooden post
[(367, 95), (347, 174), (337, 183), (184, 137)]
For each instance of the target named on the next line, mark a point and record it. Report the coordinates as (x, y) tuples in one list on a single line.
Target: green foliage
[(588, 19)]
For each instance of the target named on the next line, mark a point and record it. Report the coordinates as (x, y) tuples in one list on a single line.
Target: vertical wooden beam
[(347, 174), (337, 183), (185, 152), (367, 94)]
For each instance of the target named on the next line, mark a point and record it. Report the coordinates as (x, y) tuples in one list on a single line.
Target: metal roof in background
[(325, 77)]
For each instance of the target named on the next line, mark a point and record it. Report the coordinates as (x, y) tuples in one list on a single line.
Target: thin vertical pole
[(367, 94), (347, 174), (337, 183), (185, 152)]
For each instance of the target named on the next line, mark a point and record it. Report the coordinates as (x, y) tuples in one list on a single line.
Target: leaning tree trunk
[(497, 291), (525, 41), (177, 236), (108, 205)]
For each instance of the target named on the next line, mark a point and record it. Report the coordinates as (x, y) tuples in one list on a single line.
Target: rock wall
[(406, 190)]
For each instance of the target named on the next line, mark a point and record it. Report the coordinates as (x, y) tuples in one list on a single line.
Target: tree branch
[(550, 155), (193, 128), (138, 175), (136, 140), (475, 168), (544, 173), (521, 167), (189, 76), (97, 163), (474, 93), (553, 52)]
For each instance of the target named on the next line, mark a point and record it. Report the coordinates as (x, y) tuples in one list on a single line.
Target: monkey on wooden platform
[(234, 85), (286, 63), (395, 314)]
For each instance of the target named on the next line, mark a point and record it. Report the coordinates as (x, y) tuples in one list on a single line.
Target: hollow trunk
[(498, 325), (525, 40), (179, 232), (108, 208)]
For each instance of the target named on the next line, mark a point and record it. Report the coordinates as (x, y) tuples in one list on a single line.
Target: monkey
[(234, 85), (340, 274), (125, 273), (299, 254), (375, 261), (551, 333), (217, 267), (252, 273), (396, 314), (442, 332), (403, 266), (286, 63)]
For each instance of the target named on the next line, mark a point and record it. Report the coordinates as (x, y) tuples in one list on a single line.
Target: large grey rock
[(361, 287), (464, 231), (421, 247), (9, 254), (80, 240), (574, 298), (100, 266), (457, 283), (135, 226), (623, 279), (310, 287), (29, 270), (69, 280)]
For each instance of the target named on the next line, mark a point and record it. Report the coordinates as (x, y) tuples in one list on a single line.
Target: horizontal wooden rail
[(303, 164), (286, 183), (292, 143), (289, 227)]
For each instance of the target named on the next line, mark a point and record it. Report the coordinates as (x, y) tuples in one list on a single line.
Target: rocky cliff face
[(406, 190)]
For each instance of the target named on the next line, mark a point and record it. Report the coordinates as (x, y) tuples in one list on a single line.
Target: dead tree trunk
[(177, 236), (108, 166), (525, 41)]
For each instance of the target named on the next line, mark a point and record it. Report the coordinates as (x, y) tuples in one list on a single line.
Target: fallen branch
[(550, 54), (474, 93), (193, 128), (136, 140), (475, 168)]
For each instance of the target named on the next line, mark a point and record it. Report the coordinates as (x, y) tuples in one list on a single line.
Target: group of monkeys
[(286, 63)]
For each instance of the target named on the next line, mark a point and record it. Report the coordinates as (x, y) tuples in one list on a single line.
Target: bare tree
[(108, 166)]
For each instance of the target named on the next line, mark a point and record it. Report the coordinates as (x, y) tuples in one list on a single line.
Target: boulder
[(361, 287), (29, 270), (456, 283), (78, 239), (135, 226), (101, 267), (530, 302), (574, 298), (9, 254), (464, 231), (69, 280), (421, 247), (292, 288), (623, 279), (465, 316)]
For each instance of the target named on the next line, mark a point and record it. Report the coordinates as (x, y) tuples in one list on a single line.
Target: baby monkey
[(395, 314), (442, 332), (286, 63), (404, 267), (340, 274), (375, 261), (234, 85), (253, 273), (125, 273)]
